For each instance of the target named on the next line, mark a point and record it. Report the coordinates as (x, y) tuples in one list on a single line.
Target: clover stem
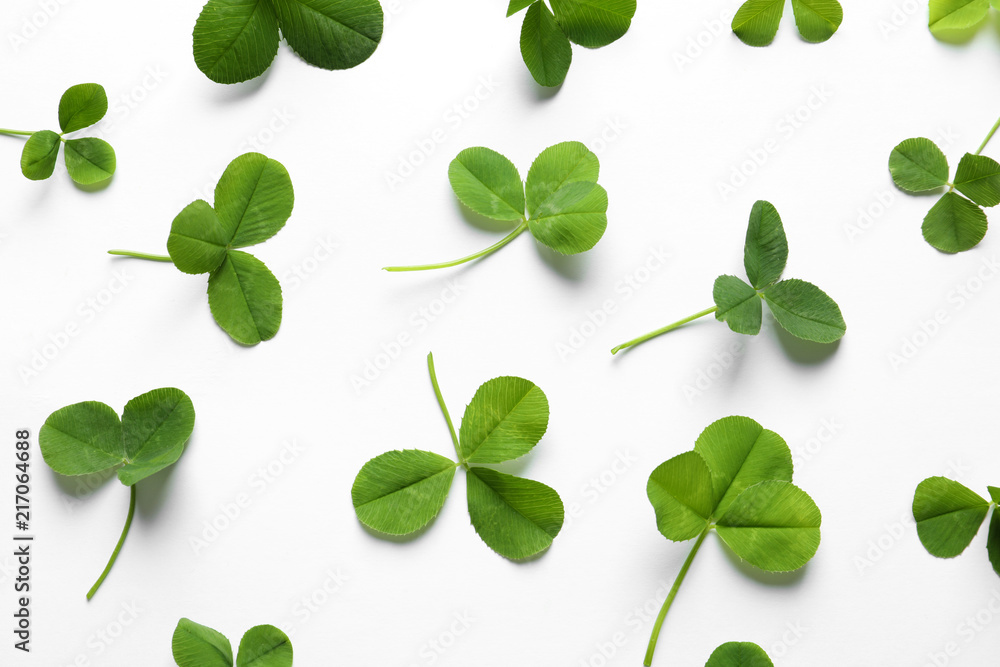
[(521, 228), (141, 255), (444, 408), (16, 132), (671, 595), (989, 136), (121, 541), (660, 332)]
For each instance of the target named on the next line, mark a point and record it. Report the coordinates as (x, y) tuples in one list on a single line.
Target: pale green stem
[(670, 597), (16, 132), (121, 541), (493, 248), (989, 136), (141, 255), (660, 332), (444, 408)]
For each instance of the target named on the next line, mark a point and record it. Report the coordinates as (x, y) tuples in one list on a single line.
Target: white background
[(674, 131)]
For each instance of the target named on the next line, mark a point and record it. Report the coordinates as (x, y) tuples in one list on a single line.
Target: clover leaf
[(400, 492), (949, 515), (253, 200), (196, 645), (949, 16), (739, 654), (546, 35), (955, 223), (560, 203), (87, 438), (89, 160), (736, 481), (236, 40), (801, 308), (756, 21)]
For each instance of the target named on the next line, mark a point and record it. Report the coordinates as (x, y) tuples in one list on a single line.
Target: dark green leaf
[(195, 645), (332, 34), (155, 428), (556, 166), (978, 178), (245, 298), (518, 518), (505, 420), (38, 159), (805, 311), (918, 165), (954, 224), (197, 241), (488, 183), (993, 542), (253, 199), (948, 515), (544, 47), (82, 439), (739, 654), (594, 23), (517, 5), (264, 646), (765, 252), (756, 21), (235, 40), (817, 20), (738, 305), (81, 106)]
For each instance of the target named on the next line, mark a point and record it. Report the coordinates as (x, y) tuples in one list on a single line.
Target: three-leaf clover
[(955, 223), (253, 200), (400, 492), (89, 160), (546, 35), (739, 654), (949, 515), (196, 645), (87, 438), (737, 481), (801, 308), (756, 22), (947, 16), (236, 40), (561, 203)]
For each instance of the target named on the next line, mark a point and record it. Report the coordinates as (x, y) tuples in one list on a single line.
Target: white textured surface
[(676, 133)]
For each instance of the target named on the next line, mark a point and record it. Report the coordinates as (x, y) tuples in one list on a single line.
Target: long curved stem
[(670, 597), (660, 332), (141, 255), (989, 136), (444, 408), (121, 541), (16, 132), (521, 228)]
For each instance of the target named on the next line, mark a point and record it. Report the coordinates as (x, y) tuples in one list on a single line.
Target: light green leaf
[(918, 165), (245, 298), (740, 453), (594, 23), (332, 34), (573, 219), (155, 428), (518, 518), (505, 420), (738, 305), (680, 491), (195, 645), (89, 160), (993, 542), (400, 492), (517, 5), (235, 40), (817, 20), (556, 166), (756, 22), (264, 646), (978, 178), (488, 183), (81, 106), (954, 224), (805, 311), (38, 159), (948, 515), (948, 15), (546, 50), (253, 199), (82, 439), (765, 252), (197, 241), (772, 525), (739, 654)]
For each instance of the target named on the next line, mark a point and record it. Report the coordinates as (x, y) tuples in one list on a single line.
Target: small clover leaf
[(253, 200), (800, 308), (561, 203), (738, 482), (87, 438), (739, 654), (949, 515), (401, 492), (89, 160), (546, 35), (195, 645), (756, 21), (236, 40)]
